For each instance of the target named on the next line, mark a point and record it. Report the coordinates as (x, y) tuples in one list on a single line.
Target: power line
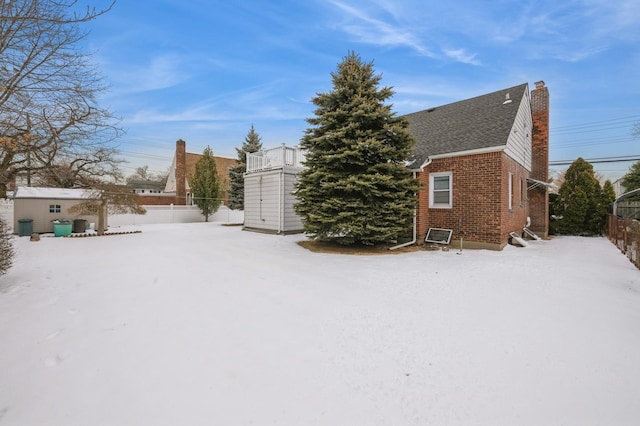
[(628, 119), (591, 142), (587, 130), (598, 160), (149, 156)]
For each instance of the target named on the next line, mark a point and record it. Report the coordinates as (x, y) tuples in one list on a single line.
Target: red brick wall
[(181, 170), (514, 219), (157, 200), (539, 197), (480, 212)]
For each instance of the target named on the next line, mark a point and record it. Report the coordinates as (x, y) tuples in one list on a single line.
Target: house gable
[(518, 145), (473, 126), (483, 146), (222, 165), (172, 186)]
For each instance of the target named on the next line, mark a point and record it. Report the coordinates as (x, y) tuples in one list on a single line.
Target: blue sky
[(204, 71)]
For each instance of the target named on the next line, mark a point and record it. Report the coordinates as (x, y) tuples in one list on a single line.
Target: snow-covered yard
[(202, 324)]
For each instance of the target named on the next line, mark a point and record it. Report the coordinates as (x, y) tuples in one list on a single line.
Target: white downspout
[(415, 215), (415, 236)]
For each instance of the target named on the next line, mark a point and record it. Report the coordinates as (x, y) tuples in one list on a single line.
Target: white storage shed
[(44, 205), (269, 183)]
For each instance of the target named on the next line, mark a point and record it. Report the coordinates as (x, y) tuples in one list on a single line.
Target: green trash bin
[(61, 228), (25, 227)]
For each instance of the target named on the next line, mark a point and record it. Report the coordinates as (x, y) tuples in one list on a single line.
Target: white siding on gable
[(171, 178), (519, 142)]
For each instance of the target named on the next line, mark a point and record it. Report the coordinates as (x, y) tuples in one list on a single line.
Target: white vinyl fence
[(155, 214), (175, 214), (6, 212)]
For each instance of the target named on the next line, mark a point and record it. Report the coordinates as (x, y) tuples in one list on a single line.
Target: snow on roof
[(55, 193)]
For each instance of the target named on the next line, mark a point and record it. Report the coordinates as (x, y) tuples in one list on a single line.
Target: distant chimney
[(181, 172), (539, 196)]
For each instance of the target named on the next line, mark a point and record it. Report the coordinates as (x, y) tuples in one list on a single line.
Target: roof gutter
[(468, 152), (425, 164)]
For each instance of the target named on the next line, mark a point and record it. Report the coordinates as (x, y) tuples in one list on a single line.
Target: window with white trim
[(54, 208), (440, 190), (510, 191)]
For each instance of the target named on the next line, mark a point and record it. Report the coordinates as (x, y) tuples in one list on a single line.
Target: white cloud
[(160, 72), (619, 19), (375, 31), (250, 103), (460, 55)]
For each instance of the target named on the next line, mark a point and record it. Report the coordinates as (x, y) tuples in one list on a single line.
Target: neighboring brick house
[(183, 166), (483, 166)]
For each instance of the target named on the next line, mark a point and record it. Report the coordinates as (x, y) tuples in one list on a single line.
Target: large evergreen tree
[(631, 180), (608, 197), (355, 188), (581, 201), (205, 184), (252, 143)]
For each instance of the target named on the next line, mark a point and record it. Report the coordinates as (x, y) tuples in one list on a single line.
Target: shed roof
[(55, 193), (472, 124)]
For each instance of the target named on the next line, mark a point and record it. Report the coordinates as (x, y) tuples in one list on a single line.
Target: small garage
[(36, 209)]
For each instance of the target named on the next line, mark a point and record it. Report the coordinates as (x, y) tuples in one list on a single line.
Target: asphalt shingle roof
[(481, 122)]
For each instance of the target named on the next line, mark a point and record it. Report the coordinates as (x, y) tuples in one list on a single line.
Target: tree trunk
[(102, 213)]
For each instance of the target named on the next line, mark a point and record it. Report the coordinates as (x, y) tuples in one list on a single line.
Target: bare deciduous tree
[(81, 170), (49, 115), (143, 173), (111, 198)]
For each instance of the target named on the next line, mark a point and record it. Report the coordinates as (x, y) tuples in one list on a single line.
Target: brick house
[(177, 190), (483, 166)]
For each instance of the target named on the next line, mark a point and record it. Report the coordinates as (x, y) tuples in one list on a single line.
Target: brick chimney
[(181, 172), (539, 196)]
